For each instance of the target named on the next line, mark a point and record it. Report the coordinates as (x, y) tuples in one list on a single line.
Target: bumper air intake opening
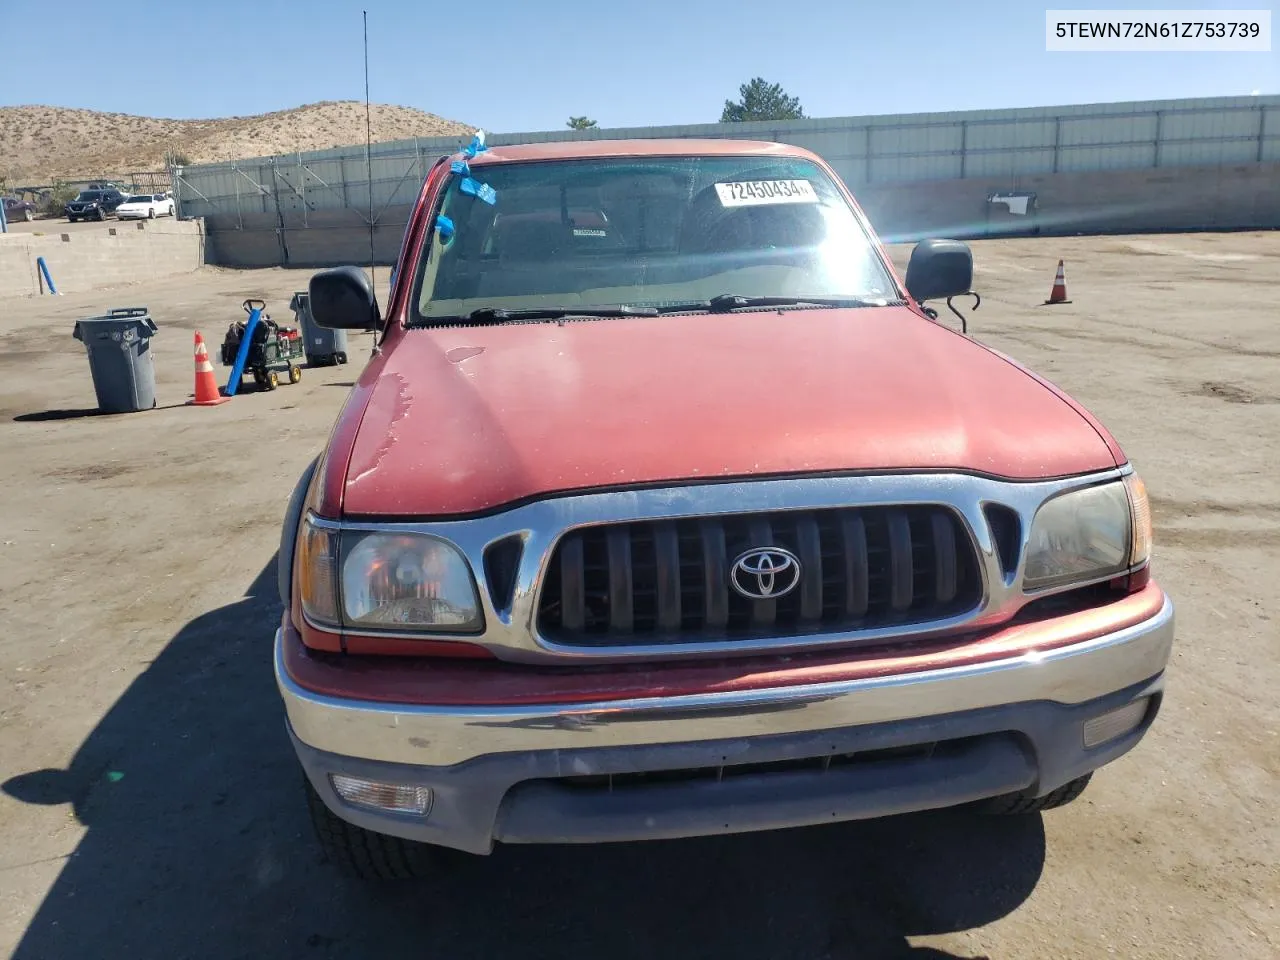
[(730, 772)]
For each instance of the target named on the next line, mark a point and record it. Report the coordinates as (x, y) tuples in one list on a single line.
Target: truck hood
[(465, 419)]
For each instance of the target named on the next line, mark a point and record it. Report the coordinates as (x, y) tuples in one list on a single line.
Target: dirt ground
[(151, 805)]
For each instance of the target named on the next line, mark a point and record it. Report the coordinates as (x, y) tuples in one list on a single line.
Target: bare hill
[(41, 144)]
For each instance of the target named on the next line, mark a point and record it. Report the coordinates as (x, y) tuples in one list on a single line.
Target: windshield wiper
[(500, 315), (487, 315), (723, 303), (728, 301)]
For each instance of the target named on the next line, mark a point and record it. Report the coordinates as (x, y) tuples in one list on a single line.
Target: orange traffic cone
[(207, 394), (1059, 292)]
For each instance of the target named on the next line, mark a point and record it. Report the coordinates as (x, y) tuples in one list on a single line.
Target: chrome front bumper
[(437, 736)]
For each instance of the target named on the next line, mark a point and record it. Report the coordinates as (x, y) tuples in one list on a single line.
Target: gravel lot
[(151, 805)]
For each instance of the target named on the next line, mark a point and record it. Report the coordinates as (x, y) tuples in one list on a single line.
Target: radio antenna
[(368, 155)]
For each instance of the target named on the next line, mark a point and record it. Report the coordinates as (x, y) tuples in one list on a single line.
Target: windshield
[(90, 195), (142, 199), (646, 232)]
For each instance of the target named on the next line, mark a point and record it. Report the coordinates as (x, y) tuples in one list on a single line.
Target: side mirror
[(342, 299), (939, 269)]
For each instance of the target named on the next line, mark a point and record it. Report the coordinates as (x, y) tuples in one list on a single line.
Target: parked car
[(146, 206), (94, 204), (700, 526), (16, 209)]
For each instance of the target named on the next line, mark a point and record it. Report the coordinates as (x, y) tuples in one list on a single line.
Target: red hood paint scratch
[(467, 419)]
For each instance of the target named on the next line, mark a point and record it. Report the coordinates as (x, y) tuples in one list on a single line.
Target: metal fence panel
[(1124, 156), (880, 149)]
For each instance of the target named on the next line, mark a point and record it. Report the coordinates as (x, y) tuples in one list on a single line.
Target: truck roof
[(688, 147)]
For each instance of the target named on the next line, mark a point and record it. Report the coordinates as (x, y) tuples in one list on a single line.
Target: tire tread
[(362, 853), (1020, 803)]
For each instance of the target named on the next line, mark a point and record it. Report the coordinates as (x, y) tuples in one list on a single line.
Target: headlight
[(386, 580), (1089, 534)]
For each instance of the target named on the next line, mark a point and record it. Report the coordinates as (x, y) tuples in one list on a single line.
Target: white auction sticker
[(750, 193)]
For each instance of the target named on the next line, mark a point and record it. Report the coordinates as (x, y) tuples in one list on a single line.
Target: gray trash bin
[(323, 347), (119, 348)]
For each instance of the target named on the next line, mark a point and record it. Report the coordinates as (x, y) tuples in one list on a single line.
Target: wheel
[(71, 219), (295, 373), (102, 214), (1018, 803), (340, 357), (28, 215), (366, 855), (151, 214), (273, 379)]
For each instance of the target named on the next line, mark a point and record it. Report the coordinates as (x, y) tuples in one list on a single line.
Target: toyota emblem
[(765, 573)]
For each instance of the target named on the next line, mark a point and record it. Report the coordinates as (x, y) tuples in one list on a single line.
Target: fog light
[(1116, 723), (385, 797)]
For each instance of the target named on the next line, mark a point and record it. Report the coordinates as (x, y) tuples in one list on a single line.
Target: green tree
[(59, 196), (580, 123), (761, 101)]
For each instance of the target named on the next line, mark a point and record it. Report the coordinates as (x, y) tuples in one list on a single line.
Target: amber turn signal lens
[(1140, 512), (316, 573)]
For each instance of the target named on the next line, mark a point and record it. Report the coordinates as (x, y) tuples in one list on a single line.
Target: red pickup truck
[(664, 509)]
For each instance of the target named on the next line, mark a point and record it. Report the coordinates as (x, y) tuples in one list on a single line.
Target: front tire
[(366, 855), (151, 214), (1020, 803), (28, 215)]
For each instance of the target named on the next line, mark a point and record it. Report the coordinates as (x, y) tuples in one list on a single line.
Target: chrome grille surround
[(511, 633)]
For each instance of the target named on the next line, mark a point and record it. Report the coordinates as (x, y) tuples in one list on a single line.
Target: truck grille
[(669, 581)]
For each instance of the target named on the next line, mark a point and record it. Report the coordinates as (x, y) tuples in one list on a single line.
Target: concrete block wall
[(102, 256)]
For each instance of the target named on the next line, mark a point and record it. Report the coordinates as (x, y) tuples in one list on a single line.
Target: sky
[(522, 65)]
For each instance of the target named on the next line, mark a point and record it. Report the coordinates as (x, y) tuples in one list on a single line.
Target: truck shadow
[(197, 845)]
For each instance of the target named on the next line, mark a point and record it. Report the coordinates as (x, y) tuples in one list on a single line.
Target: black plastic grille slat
[(901, 586), (666, 548), (573, 605), (809, 549), (944, 557), (854, 543), (621, 581), (670, 581), (715, 574)]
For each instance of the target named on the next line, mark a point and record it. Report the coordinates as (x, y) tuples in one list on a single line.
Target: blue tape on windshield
[(476, 145), (460, 167), (445, 228), (481, 191)]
